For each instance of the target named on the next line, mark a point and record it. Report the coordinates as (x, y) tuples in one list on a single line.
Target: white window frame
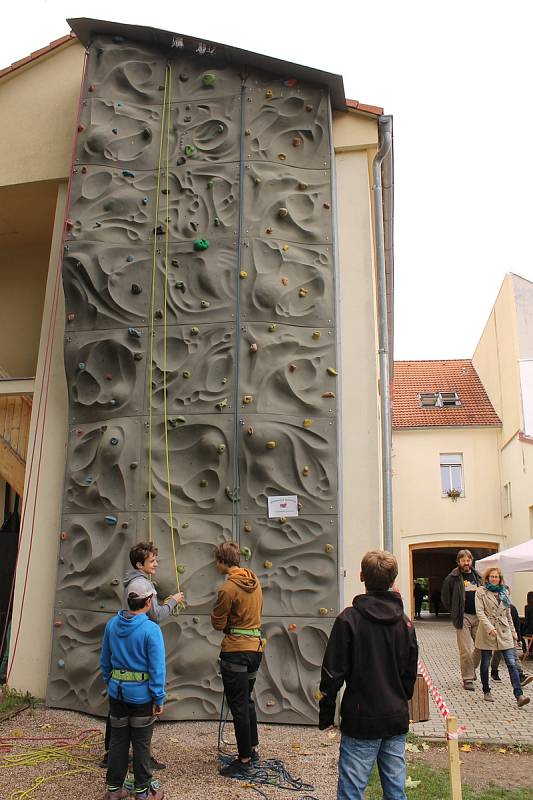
[(507, 500), (442, 399), (457, 462)]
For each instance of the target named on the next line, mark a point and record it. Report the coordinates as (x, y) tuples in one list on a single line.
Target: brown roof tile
[(37, 54), (357, 106), (412, 378)]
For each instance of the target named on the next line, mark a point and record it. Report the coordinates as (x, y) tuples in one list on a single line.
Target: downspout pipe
[(385, 145)]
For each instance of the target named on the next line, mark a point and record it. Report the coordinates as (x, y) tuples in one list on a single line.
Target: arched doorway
[(432, 561)]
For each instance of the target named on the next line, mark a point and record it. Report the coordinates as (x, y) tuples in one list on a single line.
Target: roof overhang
[(88, 29)]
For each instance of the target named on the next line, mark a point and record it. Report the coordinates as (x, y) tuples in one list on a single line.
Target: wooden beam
[(12, 468), (14, 386)]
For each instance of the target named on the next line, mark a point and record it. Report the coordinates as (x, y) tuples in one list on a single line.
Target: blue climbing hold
[(111, 520), (135, 332), (114, 130), (145, 201), (112, 402), (88, 479), (128, 173), (129, 259), (81, 365), (114, 441), (119, 105), (61, 663)]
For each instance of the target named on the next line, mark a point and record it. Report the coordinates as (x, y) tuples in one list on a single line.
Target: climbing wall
[(201, 364)]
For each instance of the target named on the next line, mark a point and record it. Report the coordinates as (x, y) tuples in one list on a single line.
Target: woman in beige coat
[(496, 631)]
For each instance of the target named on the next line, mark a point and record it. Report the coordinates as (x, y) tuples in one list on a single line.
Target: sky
[(456, 76)]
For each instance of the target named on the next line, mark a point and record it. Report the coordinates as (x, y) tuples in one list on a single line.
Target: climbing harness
[(127, 675)]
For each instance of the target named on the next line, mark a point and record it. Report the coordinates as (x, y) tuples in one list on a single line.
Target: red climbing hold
[(81, 127)]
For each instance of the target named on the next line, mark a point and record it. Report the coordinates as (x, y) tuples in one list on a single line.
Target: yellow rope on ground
[(167, 456), (152, 315)]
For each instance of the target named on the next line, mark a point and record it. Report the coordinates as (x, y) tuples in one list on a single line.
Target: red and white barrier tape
[(438, 698)]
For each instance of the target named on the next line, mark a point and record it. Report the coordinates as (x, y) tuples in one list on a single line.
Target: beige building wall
[(46, 156), (422, 514)]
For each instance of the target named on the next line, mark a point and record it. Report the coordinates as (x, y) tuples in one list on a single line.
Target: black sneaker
[(495, 676), (236, 769), (155, 764)]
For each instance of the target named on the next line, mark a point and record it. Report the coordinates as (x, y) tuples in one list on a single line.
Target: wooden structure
[(15, 416)]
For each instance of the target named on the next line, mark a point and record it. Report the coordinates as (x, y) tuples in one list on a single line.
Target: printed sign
[(283, 506)]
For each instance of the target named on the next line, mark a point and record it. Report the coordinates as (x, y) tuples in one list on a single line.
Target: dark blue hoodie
[(134, 643)]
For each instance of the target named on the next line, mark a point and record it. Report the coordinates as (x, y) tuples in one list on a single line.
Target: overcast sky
[(457, 78)]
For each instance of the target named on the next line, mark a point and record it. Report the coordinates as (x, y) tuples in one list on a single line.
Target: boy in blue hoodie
[(133, 667)]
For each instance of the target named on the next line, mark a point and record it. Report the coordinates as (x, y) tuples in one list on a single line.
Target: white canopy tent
[(516, 559)]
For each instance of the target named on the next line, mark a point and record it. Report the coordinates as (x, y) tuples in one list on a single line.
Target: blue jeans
[(510, 660), (356, 759)]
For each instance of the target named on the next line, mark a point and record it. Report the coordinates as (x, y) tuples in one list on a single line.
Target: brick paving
[(501, 721)]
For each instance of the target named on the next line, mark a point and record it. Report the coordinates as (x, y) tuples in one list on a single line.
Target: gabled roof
[(37, 54), (412, 378)]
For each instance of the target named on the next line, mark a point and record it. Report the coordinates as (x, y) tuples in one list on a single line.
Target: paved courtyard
[(501, 721)]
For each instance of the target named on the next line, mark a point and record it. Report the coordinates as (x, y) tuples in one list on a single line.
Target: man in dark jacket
[(458, 596), (373, 649)]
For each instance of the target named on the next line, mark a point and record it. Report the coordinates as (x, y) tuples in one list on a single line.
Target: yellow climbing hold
[(329, 548), (307, 423), (304, 291), (316, 335), (282, 156), (305, 471), (323, 611), (332, 371), (271, 445), (247, 399), (268, 564), (285, 248), (318, 695), (243, 274), (269, 93)]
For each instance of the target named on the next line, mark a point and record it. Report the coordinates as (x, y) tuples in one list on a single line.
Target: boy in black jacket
[(373, 649)]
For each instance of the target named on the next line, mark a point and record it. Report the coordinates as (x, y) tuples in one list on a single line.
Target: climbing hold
[(247, 527), (189, 149), (253, 347), (159, 230), (209, 79), (291, 627), (175, 421), (128, 173), (271, 445), (270, 703), (81, 365), (63, 536), (186, 373), (158, 314), (61, 663), (184, 77), (203, 483), (290, 82), (113, 441), (292, 367), (309, 108), (327, 205), (250, 431), (84, 170), (248, 132), (88, 480), (323, 611), (257, 181), (307, 423), (272, 327), (71, 317), (243, 274), (296, 142), (328, 394), (110, 520), (204, 304), (195, 620), (146, 133), (305, 471), (282, 212), (125, 525), (195, 331), (135, 288), (285, 248), (187, 118), (318, 695), (115, 582), (134, 465), (138, 357), (268, 565), (247, 399), (81, 127), (90, 88), (135, 333), (303, 186), (269, 231), (329, 548), (246, 552), (269, 93), (282, 156), (180, 569), (201, 244), (216, 222), (316, 335), (151, 494), (222, 404), (221, 448), (129, 259), (303, 292), (332, 371), (112, 402), (209, 184), (175, 262), (285, 281), (57, 623), (184, 524), (224, 381)]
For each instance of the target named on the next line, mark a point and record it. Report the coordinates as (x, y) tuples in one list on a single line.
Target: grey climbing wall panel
[(222, 357)]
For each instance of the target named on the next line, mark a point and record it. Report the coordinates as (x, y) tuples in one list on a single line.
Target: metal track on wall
[(244, 347)]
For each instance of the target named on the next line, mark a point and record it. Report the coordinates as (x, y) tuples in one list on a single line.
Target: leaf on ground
[(296, 746), (17, 733), (411, 748), (502, 750), (424, 746), (45, 726), (466, 748), (332, 734), (411, 784)]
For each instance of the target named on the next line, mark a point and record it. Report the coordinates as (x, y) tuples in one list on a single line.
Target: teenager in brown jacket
[(237, 612)]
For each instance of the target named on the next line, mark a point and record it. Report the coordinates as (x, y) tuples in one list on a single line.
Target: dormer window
[(439, 399)]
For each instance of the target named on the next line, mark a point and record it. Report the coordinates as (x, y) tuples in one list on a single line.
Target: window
[(507, 507), (451, 473), (439, 400)]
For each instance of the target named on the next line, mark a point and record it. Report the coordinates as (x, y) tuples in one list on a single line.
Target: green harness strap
[(246, 632), (127, 675)]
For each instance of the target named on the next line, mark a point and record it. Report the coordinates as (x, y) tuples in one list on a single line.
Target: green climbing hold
[(180, 569), (222, 404), (195, 331), (180, 285), (186, 373), (201, 244), (189, 149), (221, 448), (246, 552), (184, 524), (203, 483), (209, 79)]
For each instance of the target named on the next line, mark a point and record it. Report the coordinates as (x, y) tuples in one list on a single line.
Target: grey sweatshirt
[(157, 613)]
